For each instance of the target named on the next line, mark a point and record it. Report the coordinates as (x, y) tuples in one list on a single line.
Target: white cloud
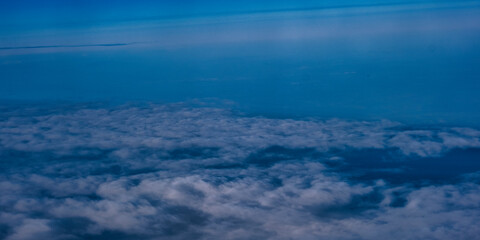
[(170, 172)]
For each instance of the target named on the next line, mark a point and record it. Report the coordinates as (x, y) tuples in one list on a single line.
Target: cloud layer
[(179, 172)]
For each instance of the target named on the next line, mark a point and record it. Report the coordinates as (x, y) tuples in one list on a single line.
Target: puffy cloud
[(31, 229), (89, 131), (176, 172)]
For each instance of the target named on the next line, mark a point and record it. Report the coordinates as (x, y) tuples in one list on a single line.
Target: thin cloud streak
[(69, 46)]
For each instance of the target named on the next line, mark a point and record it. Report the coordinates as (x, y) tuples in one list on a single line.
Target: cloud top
[(178, 172)]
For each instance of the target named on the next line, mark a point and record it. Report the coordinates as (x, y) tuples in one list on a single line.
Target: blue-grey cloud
[(178, 172)]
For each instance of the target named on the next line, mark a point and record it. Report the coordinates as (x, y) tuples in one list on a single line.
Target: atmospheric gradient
[(239, 120)]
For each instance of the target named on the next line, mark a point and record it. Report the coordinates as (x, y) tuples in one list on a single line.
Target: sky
[(407, 61), (239, 119)]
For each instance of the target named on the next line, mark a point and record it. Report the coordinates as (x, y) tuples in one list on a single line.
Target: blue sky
[(239, 120), (29, 14), (411, 62)]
